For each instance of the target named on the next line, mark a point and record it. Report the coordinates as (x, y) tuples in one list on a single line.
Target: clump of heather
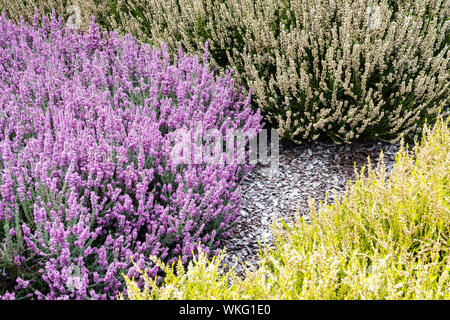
[(89, 127), (338, 69)]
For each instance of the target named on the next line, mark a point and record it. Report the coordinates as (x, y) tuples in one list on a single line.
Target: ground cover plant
[(87, 173), (319, 68), (383, 239), (77, 13), (334, 69)]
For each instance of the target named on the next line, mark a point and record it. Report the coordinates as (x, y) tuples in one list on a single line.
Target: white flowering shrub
[(77, 14), (337, 68)]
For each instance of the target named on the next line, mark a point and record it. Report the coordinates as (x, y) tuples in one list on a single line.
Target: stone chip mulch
[(310, 169)]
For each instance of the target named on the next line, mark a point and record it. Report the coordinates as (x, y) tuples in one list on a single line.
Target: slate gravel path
[(310, 169)]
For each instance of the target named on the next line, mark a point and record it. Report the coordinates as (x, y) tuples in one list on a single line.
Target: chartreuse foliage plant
[(88, 168), (339, 69), (385, 238)]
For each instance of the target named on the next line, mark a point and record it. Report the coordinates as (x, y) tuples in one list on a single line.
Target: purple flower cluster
[(86, 174)]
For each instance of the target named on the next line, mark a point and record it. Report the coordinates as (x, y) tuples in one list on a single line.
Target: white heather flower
[(373, 17), (74, 21), (332, 5), (408, 19)]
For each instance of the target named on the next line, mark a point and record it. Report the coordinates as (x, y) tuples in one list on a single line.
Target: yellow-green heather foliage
[(386, 238), (338, 68)]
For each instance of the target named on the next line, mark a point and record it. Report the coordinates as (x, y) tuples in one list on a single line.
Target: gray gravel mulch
[(309, 169)]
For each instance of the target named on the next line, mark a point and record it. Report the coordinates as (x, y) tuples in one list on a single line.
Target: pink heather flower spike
[(87, 133)]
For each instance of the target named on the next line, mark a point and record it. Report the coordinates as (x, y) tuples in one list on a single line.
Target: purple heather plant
[(87, 181)]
